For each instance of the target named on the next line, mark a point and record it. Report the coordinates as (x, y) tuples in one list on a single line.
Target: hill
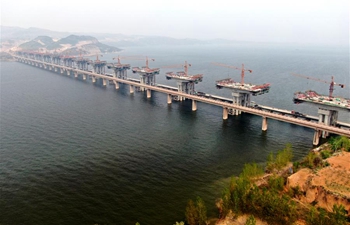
[(72, 44)]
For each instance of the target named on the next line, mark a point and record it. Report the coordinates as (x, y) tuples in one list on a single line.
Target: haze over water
[(76, 153)]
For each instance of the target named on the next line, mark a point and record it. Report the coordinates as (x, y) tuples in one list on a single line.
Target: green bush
[(340, 142), (252, 170), (251, 220), (276, 183), (321, 216), (281, 159), (325, 154), (196, 214), (310, 160)]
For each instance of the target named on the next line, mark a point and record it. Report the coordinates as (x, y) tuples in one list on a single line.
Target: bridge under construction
[(80, 68)]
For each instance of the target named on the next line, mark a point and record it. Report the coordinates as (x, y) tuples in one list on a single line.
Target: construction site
[(326, 122)]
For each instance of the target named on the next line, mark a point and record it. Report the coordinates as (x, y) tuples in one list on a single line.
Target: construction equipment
[(331, 84), (234, 67)]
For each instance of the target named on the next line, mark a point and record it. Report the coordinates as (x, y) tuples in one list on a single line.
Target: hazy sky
[(300, 21)]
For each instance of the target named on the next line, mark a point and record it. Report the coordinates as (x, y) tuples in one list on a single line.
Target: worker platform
[(147, 75), (82, 63), (120, 70), (241, 92), (185, 83), (98, 66), (321, 100), (328, 106)]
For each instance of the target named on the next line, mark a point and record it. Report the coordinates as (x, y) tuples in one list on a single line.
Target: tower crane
[(179, 66), (234, 67), (331, 84), (133, 58)]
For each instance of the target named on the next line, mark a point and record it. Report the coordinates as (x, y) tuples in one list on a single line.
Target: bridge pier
[(169, 98), (75, 74), (148, 93), (104, 82), (84, 76), (194, 105), (93, 79), (68, 72), (264, 123), (116, 84), (61, 70), (317, 135), (224, 113), (327, 117), (132, 89)]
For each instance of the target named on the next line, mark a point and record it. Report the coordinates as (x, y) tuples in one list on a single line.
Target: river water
[(76, 153)]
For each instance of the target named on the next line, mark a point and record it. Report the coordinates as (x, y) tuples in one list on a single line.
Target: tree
[(339, 214), (251, 170), (281, 159), (340, 142), (191, 213), (201, 211), (251, 220)]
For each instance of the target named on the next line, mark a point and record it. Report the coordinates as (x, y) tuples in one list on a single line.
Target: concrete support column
[(169, 99), (264, 123), (116, 85), (316, 139), (132, 89), (148, 93), (84, 76), (62, 70), (93, 79), (104, 81), (224, 113), (76, 74), (327, 117), (194, 105), (68, 72)]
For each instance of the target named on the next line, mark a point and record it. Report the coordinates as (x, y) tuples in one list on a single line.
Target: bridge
[(225, 104)]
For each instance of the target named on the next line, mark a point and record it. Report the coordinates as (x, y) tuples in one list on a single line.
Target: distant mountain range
[(73, 45), (11, 36)]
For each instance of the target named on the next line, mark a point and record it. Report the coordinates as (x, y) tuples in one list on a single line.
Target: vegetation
[(251, 220), (196, 214), (340, 143), (325, 154), (267, 203), (280, 160), (271, 201), (321, 216), (252, 170)]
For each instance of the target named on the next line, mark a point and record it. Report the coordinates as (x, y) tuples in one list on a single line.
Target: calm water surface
[(76, 153)]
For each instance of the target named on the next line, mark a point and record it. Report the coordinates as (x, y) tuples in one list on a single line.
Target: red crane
[(233, 67), (133, 58), (179, 66), (331, 84)]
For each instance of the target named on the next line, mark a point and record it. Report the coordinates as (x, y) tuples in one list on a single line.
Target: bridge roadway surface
[(287, 119)]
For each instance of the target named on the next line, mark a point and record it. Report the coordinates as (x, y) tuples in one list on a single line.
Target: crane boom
[(179, 66), (234, 67)]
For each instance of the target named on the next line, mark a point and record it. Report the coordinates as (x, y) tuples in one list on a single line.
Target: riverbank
[(319, 186)]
